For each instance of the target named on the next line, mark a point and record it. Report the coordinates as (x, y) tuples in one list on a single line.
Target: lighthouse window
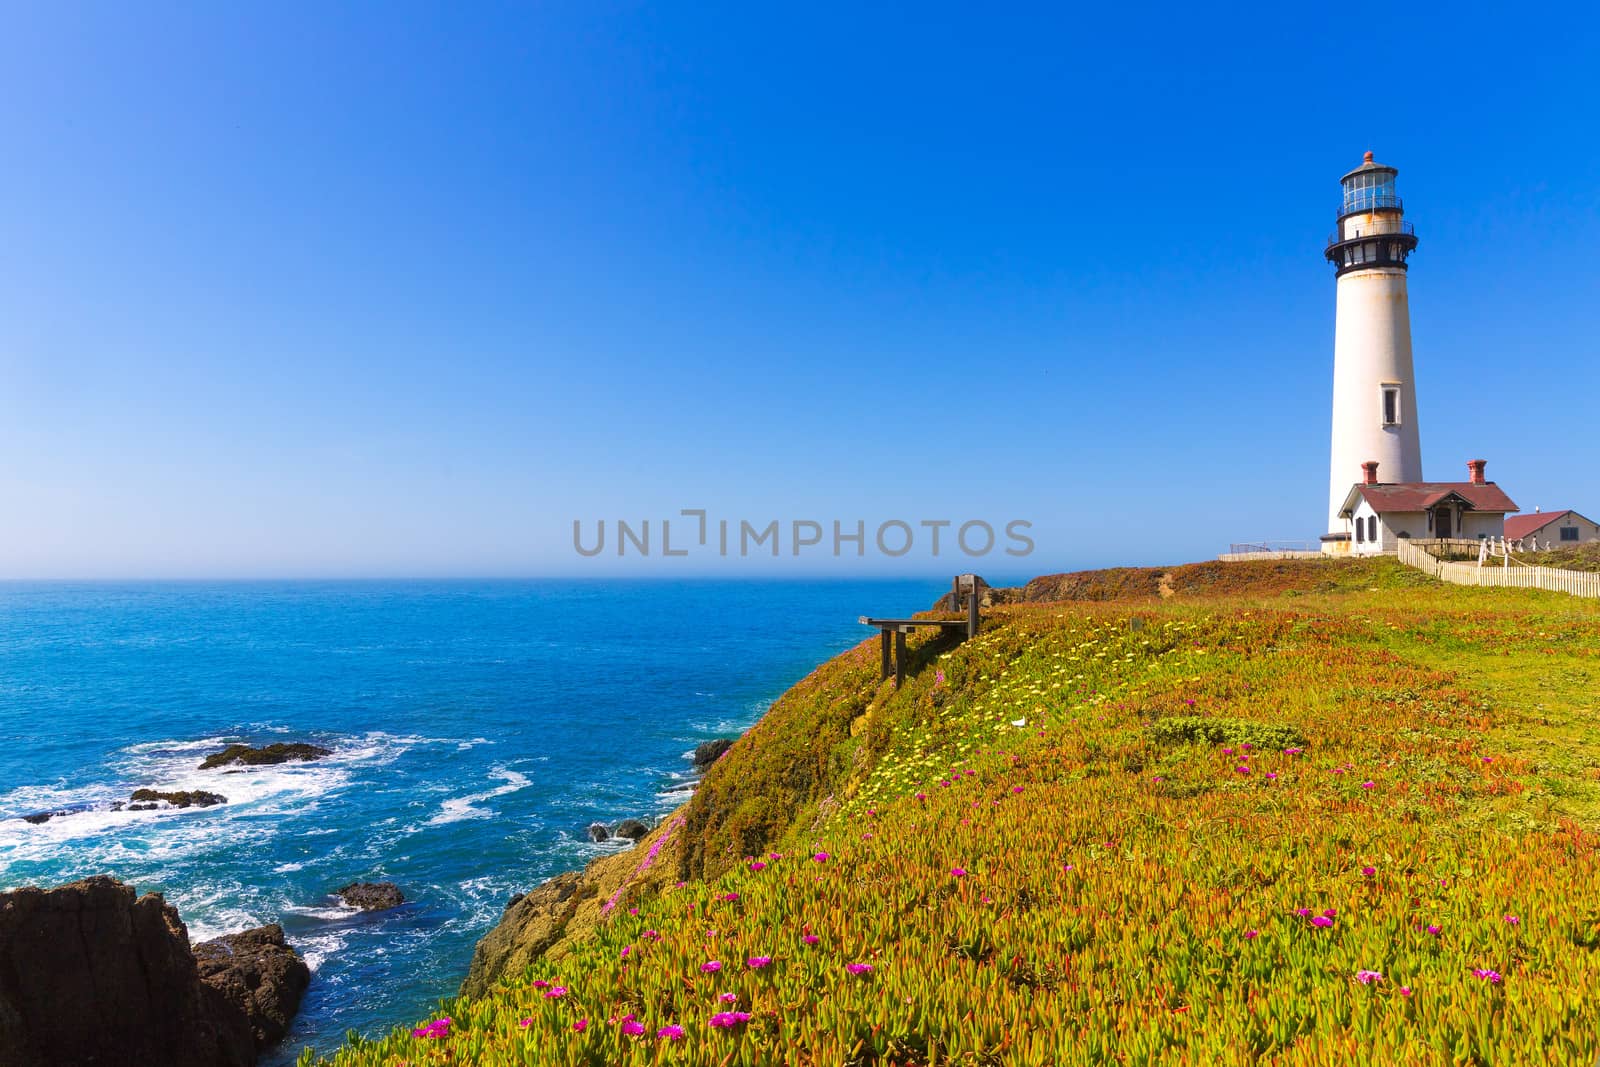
[(1391, 406), (1569, 533)]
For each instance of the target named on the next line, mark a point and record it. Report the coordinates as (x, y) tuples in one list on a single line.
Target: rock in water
[(632, 829), (147, 799), (90, 975), (708, 753), (250, 756), (259, 973), (372, 896), (598, 831)]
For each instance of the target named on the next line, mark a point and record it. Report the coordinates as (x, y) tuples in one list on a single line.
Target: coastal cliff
[(91, 974), (1215, 814)]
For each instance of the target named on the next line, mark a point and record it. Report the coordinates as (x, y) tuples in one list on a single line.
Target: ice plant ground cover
[(1424, 761)]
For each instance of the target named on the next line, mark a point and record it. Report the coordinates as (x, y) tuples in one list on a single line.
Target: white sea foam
[(459, 808)]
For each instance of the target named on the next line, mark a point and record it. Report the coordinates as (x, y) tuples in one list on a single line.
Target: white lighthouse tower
[(1374, 390)]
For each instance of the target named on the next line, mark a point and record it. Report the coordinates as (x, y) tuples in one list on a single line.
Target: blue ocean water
[(477, 729)]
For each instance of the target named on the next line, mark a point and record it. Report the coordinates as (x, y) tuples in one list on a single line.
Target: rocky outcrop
[(531, 924), (259, 974), (251, 756), (598, 831), (709, 752), (372, 896), (149, 799), (40, 817), (632, 829), (91, 975)]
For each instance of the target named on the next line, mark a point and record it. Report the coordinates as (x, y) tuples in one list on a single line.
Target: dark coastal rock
[(146, 799), (632, 829), (531, 924), (372, 896), (40, 817), (708, 753), (251, 756), (91, 975), (258, 973), (598, 831)]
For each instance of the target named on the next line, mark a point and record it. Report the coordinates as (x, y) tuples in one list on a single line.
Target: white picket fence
[(1521, 576)]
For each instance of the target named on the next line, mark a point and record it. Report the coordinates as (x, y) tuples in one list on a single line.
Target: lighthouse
[(1374, 389)]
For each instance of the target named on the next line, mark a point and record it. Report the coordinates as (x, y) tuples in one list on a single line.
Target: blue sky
[(391, 289)]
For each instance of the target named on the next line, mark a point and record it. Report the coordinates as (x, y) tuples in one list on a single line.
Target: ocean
[(477, 729)]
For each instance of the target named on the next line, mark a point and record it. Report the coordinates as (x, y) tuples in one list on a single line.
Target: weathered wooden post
[(883, 640), (899, 657)]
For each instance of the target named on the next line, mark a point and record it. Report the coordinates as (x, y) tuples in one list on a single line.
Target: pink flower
[(1368, 977), (730, 897), (1242, 769), (1247, 746), (774, 856), (1272, 776), (811, 939), (525, 1023), (1330, 912), (1293, 751), (580, 1026), (728, 998), (555, 992), (1016, 789), (1369, 871), (858, 968), (922, 796), (632, 1027), (652, 935), (1492, 977), (1434, 930), (1513, 920), (1304, 913), (727, 1020), (1405, 991), (710, 967), (821, 857), (670, 1032), (1321, 920), (438, 1028), (938, 677), (625, 950), (755, 963), (540, 983), (959, 872), (1488, 759), (1227, 752), (757, 865), (1251, 934), (1369, 785)]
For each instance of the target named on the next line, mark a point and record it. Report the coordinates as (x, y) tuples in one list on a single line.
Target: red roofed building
[(1378, 514), (1559, 528)]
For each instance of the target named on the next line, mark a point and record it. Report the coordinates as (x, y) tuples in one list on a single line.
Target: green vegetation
[(1299, 813)]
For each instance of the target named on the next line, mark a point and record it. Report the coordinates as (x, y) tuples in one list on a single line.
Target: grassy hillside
[(1299, 813)]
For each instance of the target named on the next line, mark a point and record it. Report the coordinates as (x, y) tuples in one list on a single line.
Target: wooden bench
[(964, 584)]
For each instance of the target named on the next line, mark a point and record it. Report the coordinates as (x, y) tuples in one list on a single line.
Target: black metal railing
[(1405, 228), (1354, 203)]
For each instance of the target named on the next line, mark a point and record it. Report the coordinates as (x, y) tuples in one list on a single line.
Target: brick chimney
[(1475, 468), (1369, 472)]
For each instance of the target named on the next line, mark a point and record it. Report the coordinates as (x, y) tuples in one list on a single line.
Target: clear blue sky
[(394, 289)]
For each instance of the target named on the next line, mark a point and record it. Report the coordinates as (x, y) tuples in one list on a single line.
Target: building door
[(1441, 523)]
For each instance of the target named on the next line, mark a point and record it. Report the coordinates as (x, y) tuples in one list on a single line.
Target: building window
[(1372, 527), (1391, 405), (1569, 533), (1361, 527)]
